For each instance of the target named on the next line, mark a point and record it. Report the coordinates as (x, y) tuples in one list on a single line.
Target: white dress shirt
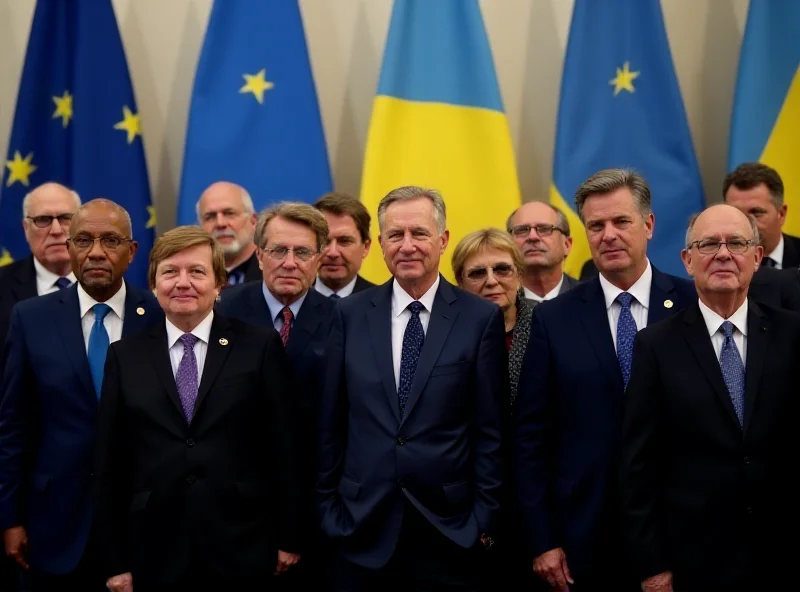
[(46, 279), (202, 331), (401, 316), (714, 324), (343, 293), (777, 254), (549, 296), (112, 321), (276, 307), (640, 304)]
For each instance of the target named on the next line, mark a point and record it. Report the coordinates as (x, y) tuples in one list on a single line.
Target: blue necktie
[(626, 333), (235, 277), (98, 346), (62, 283), (732, 370), (186, 377), (413, 338), (335, 297)]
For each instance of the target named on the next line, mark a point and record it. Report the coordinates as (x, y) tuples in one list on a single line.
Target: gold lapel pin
[(223, 341), (140, 311), (668, 304)]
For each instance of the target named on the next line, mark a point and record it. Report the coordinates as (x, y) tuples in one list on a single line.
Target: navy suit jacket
[(568, 417), (47, 424), (444, 456), (17, 283)]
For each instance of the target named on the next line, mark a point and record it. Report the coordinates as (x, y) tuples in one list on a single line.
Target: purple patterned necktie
[(186, 376)]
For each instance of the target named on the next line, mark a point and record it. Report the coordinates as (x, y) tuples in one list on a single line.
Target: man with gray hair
[(225, 210), (568, 408), (410, 465)]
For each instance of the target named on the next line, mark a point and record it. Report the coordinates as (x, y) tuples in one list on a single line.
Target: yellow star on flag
[(151, 222), (63, 108), (624, 79), (6, 258), (130, 123), (21, 169), (257, 84)]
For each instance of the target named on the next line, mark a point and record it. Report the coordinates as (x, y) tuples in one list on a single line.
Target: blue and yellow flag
[(254, 116), (76, 123), (766, 112), (621, 108), (438, 122)]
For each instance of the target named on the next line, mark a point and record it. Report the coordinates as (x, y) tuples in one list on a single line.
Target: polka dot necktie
[(732, 370), (287, 324), (413, 338), (186, 378), (626, 333)]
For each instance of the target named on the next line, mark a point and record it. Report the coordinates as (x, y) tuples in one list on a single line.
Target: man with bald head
[(55, 357), (541, 232), (225, 210), (709, 436)]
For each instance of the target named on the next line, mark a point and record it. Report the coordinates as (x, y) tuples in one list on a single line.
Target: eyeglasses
[(711, 246), (543, 230), (108, 243), (279, 253), (500, 271), (45, 221)]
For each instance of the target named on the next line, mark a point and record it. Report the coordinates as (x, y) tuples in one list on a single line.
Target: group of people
[(265, 418)]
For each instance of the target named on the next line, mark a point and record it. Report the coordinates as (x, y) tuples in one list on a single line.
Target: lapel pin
[(668, 304), (223, 341), (140, 311)]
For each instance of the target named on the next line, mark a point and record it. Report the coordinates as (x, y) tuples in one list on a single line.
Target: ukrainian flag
[(438, 121), (766, 114), (621, 108)]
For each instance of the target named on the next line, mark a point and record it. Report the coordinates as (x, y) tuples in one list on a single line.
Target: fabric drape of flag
[(438, 122), (76, 123), (254, 117), (765, 126), (621, 107)]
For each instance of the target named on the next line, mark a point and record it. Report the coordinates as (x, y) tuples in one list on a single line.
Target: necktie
[(335, 297), (62, 283), (732, 370), (626, 333), (186, 376), (413, 338), (98, 346), (287, 324), (770, 262), (235, 277)]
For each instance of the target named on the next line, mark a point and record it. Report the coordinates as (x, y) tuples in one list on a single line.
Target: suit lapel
[(159, 354), (219, 346), (136, 312), (594, 317), (379, 319), (757, 329), (71, 332), (662, 298), (443, 316), (258, 311), (696, 334), (305, 325)]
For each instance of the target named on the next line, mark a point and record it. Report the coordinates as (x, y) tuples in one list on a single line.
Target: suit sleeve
[(18, 390), (112, 464), (534, 419), (283, 415), (492, 395), (639, 466)]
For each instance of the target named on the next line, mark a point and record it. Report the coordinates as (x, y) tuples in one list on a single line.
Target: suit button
[(750, 509), (746, 460), (400, 440), (191, 479), (190, 442)]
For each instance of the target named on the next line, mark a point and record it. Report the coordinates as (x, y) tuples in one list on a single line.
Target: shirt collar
[(202, 331), (343, 293), (777, 254), (640, 289), (116, 302), (549, 296), (276, 307), (401, 299), (714, 321), (47, 277)]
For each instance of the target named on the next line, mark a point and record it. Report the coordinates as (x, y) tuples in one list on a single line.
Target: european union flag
[(76, 123), (621, 108), (254, 116)]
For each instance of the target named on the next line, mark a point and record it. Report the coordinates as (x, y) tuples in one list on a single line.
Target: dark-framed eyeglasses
[(45, 221), (543, 230), (710, 246), (280, 252), (109, 242), (499, 270)]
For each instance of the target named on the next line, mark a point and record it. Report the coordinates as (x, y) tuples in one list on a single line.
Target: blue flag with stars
[(254, 117), (621, 107), (76, 123)]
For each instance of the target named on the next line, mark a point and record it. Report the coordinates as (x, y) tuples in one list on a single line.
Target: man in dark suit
[(542, 233), (225, 210), (410, 465), (290, 236), (710, 428), (51, 383), (348, 245), (196, 471), (757, 190), (568, 411)]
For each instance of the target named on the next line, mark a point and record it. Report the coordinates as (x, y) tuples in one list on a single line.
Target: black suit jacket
[(17, 283), (362, 284), (569, 283), (222, 489), (711, 501), (779, 288), (791, 251)]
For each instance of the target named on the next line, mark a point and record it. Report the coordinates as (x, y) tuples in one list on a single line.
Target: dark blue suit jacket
[(47, 424), (568, 417), (444, 456)]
